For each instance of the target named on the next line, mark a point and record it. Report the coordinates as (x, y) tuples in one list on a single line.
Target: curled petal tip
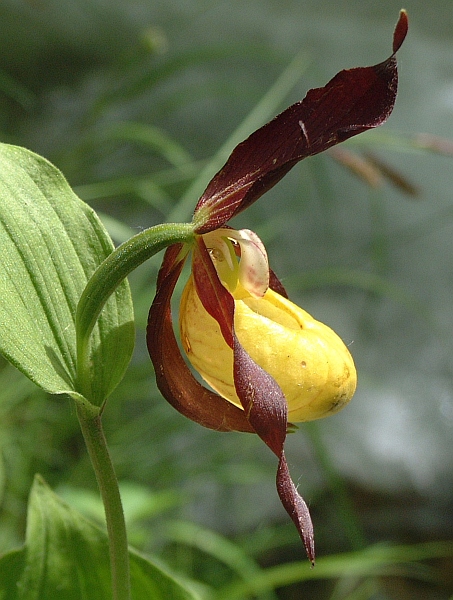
[(400, 32), (296, 507)]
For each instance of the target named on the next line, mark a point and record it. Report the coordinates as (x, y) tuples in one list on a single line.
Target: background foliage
[(130, 101)]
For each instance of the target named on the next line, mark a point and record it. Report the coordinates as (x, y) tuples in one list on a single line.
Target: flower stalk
[(98, 290), (91, 425)]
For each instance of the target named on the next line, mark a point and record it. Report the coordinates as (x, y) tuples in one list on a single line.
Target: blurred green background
[(131, 100)]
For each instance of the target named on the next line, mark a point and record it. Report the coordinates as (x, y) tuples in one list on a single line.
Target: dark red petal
[(352, 102), (264, 404), (267, 410), (217, 301), (174, 379), (263, 401), (262, 398), (296, 507), (276, 285), (400, 32)]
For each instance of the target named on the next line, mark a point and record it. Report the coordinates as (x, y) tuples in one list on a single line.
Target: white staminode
[(252, 272)]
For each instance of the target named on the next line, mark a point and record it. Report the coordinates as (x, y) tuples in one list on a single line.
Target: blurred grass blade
[(15, 90), (370, 282), (149, 188), (262, 112), (118, 231), (220, 548), (373, 561), (51, 242), (153, 138)]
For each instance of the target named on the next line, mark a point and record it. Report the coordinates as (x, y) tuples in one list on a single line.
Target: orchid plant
[(267, 362)]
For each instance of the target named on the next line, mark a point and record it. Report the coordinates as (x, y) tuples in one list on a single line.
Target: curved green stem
[(90, 422), (110, 273), (103, 283)]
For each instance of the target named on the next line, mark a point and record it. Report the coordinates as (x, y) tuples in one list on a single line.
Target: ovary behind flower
[(308, 360)]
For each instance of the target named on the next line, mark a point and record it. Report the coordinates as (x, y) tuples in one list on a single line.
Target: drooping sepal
[(266, 409), (296, 507), (262, 399), (174, 379), (265, 406), (216, 299)]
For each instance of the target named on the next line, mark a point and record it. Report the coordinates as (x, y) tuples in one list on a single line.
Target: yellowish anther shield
[(307, 359)]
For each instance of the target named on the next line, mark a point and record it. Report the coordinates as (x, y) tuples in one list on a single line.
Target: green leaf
[(51, 242), (66, 557)]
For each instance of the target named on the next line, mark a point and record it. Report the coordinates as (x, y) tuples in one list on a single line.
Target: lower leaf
[(67, 557)]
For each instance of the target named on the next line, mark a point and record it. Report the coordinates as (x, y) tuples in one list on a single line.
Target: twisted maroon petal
[(264, 403), (174, 379), (217, 301), (262, 399), (267, 411), (352, 102), (296, 507)]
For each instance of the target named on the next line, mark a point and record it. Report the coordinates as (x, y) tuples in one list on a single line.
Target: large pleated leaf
[(50, 243)]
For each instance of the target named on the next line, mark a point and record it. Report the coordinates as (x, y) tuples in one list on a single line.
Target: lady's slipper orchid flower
[(306, 358), (268, 360)]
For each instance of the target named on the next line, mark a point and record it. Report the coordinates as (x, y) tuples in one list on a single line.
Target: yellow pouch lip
[(308, 360)]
